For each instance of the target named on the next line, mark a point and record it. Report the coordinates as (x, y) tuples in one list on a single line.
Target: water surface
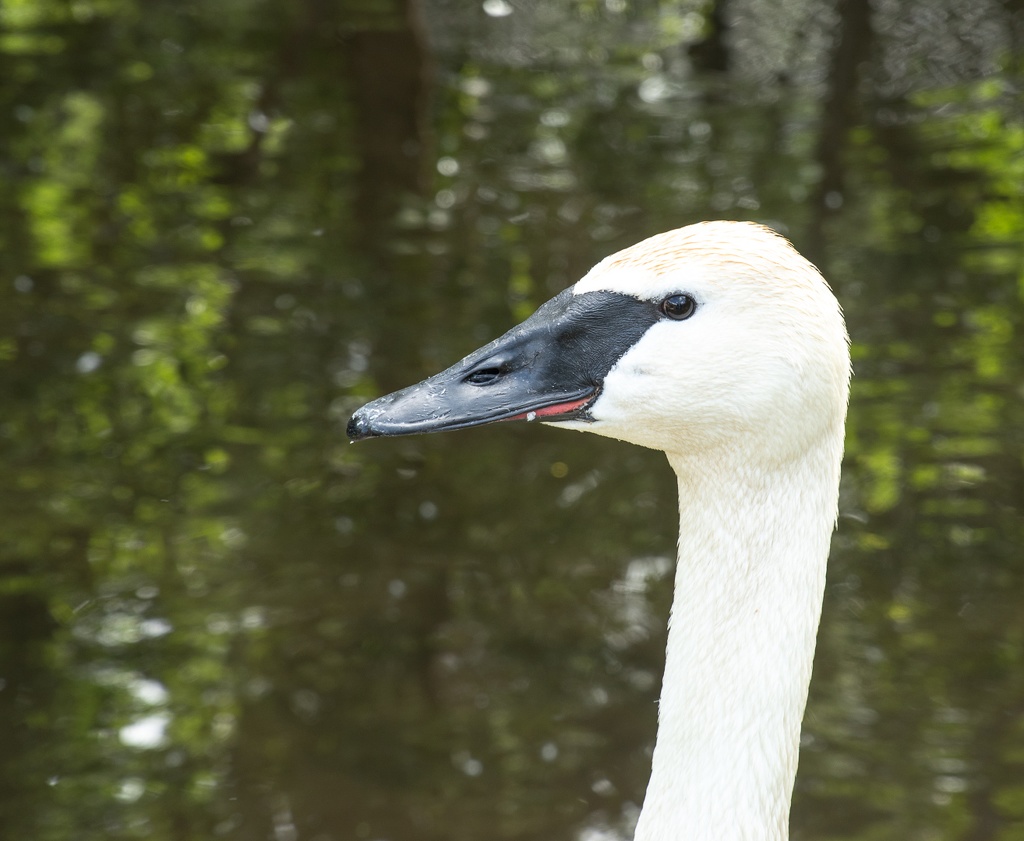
[(226, 226)]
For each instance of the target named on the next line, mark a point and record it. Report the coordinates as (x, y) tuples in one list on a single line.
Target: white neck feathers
[(753, 545)]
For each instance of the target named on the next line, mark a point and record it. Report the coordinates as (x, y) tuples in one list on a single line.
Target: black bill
[(550, 367)]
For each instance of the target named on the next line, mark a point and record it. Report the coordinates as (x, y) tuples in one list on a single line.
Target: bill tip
[(357, 428)]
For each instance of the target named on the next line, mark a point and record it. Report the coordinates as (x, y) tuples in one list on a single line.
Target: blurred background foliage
[(225, 225)]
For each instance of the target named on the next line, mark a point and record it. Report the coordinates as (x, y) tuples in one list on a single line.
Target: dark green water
[(224, 226)]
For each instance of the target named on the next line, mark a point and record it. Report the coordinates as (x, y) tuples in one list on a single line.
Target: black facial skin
[(559, 355)]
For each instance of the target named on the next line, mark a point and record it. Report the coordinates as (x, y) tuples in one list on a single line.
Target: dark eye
[(679, 307)]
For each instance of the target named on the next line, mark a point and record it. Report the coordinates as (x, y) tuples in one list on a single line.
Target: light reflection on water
[(223, 621)]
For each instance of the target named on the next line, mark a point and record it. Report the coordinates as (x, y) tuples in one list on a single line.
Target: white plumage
[(748, 401), (723, 347)]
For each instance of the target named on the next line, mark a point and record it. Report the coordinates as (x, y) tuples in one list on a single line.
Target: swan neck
[(748, 590)]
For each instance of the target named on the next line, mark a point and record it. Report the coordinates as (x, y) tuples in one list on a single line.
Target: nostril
[(483, 376)]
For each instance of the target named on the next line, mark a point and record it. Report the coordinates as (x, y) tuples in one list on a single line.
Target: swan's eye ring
[(679, 307)]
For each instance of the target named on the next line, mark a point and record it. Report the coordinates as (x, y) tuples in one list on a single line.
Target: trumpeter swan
[(720, 345)]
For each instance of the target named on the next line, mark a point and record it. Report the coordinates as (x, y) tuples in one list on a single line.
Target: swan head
[(694, 339)]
